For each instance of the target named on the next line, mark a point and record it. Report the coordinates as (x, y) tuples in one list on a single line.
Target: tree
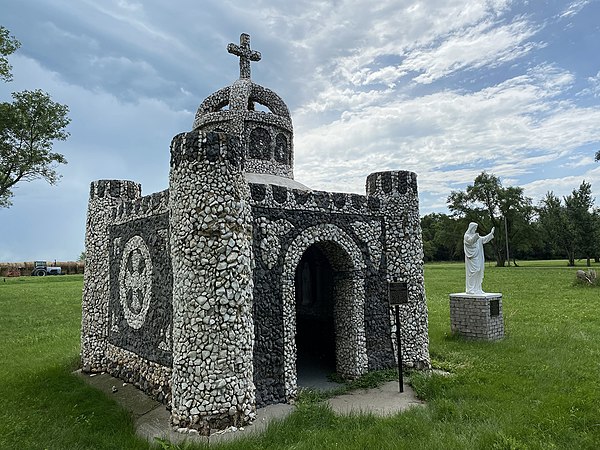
[(574, 226), (28, 127), (490, 204), (8, 45), (579, 210), (558, 228), (517, 211), (442, 237)]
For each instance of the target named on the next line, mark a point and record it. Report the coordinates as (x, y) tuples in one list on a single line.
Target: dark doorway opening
[(315, 331)]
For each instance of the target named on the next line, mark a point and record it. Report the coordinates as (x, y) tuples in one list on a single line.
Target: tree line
[(555, 228)]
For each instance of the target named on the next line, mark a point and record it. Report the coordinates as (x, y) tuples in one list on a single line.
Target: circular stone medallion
[(135, 281)]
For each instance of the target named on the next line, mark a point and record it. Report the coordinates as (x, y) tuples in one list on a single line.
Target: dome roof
[(241, 96), (266, 135)]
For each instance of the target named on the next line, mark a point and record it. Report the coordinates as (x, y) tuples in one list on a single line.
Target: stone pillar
[(104, 196), (477, 316), (350, 339), (211, 253), (398, 197)]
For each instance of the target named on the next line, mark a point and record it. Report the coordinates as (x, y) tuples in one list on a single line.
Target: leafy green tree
[(558, 228), (579, 210), (28, 127), (442, 237), (518, 213), (490, 204), (8, 45)]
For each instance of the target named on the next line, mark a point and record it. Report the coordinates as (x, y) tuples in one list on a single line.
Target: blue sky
[(444, 88)]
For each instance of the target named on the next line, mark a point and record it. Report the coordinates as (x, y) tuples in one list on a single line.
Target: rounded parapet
[(212, 147), (115, 189), (391, 182)]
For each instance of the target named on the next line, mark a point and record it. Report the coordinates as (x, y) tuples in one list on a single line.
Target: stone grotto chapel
[(215, 295)]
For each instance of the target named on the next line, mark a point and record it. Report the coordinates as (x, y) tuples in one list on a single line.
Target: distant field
[(25, 268), (537, 389)]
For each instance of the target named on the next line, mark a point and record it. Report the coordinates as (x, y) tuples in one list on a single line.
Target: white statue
[(474, 258)]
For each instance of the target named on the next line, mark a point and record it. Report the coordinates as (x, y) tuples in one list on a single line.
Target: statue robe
[(474, 260)]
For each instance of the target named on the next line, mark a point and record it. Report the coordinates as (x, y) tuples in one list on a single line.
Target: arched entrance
[(337, 295), (315, 328)]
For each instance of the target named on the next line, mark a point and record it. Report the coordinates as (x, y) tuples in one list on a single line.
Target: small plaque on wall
[(398, 293), (494, 307)]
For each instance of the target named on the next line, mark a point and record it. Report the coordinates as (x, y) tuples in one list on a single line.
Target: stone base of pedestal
[(477, 316)]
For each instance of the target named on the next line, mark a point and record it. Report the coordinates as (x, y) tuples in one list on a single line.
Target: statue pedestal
[(477, 316)]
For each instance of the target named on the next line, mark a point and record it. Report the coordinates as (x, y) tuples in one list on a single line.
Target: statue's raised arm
[(488, 237), (474, 258)]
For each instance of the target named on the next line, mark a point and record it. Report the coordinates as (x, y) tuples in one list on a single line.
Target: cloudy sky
[(445, 88)]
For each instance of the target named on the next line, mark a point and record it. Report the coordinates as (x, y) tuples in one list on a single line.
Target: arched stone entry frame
[(347, 262)]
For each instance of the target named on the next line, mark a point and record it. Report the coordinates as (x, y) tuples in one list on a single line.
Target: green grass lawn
[(539, 388)]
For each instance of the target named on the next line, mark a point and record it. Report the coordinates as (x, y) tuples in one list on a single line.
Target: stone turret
[(211, 253), (399, 202), (104, 194)]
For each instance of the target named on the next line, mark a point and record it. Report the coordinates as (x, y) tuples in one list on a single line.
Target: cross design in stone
[(245, 53), (136, 280)]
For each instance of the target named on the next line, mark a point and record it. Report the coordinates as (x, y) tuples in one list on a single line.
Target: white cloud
[(580, 161), (130, 6), (573, 8), (449, 137), (561, 186), (594, 87), (474, 48), (129, 14), (484, 44)]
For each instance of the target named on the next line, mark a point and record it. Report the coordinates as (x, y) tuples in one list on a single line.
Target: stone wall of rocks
[(274, 196), (141, 281), (475, 316), (350, 231), (211, 253), (369, 240), (105, 196), (398, 194), (150, 377), (127, 312)]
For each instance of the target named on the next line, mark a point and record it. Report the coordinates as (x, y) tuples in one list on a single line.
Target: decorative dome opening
[(258, 106)]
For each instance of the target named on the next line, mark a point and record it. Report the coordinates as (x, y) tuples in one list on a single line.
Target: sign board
[(398, 293), (494, 307)]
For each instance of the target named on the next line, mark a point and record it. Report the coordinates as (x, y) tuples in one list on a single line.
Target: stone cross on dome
[(246, 55)]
